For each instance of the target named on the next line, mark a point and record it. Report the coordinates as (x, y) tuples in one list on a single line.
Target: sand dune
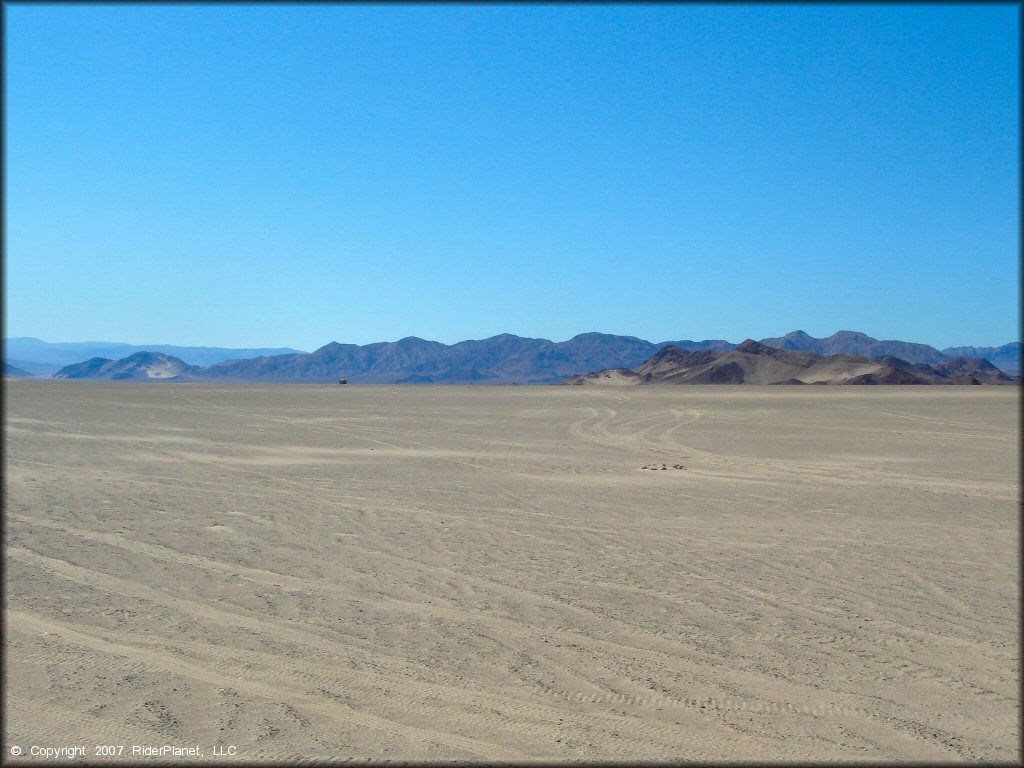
[(460, 573)]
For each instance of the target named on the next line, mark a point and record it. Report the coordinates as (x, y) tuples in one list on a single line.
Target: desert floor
[(466, 573)]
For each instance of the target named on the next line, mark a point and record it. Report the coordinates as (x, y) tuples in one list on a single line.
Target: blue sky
[(263, 175)]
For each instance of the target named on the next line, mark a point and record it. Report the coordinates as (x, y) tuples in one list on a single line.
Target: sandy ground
[(461, 573)]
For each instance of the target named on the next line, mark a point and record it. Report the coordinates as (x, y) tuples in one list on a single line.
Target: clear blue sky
[(234, 175)]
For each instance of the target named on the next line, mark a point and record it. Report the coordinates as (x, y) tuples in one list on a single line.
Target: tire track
[(264, 626), (480, 710), (329, 708)]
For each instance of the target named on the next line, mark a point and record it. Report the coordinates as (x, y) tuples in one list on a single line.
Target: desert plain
[(460, 573)]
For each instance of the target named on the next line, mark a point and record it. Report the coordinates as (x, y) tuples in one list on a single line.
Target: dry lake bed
[(512, 573)]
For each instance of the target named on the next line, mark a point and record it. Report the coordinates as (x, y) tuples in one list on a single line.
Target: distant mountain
[(1006, 357), (979, 369), (855, 343), (17, 373), (142, 366), (755, 363), (499, 359), (35, 369), (718, 345), (32, 351)]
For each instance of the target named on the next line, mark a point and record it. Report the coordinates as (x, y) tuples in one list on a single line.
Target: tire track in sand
[(425, 690), (328, 707)]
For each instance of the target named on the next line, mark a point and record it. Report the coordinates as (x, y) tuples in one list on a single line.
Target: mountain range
[(40, 358), (1005, 358), (755, 363), (15, 372), (500, 359)]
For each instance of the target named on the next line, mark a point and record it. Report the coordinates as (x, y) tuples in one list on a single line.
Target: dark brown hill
[(1006, 357), (977, 368), (753, 362)]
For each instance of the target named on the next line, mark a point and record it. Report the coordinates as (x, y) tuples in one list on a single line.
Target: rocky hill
[(979, 369), (1005, 358), (142, 366), (755, 363)]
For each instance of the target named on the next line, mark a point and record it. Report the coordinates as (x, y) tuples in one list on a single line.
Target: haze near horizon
[(256, 176)]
